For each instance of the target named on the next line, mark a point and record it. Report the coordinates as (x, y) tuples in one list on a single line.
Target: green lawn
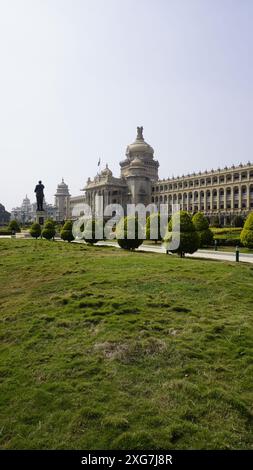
[(101, 348)]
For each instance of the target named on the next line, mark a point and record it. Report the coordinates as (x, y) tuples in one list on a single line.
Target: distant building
[(223, 192), (4, 215), (24, 213)]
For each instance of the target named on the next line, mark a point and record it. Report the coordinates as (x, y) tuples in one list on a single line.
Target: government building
[(225, 193)]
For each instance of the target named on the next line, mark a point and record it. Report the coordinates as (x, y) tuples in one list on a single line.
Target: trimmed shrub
[(5, 232), (230, 242), (66, 232), (92, 230), (154, 220), (48, 231), (127, 238), (189, 238), (35, 230), (247, 232), (202, 227), (14, 227)]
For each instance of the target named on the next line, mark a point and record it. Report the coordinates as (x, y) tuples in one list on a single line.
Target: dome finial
[(140, 133)]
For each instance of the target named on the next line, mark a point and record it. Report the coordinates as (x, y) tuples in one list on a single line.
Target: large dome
[(139, 147)]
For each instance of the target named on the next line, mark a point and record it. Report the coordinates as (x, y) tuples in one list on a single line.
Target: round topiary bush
[(48, 231), (188, 237), (202, 227), (154, 224), (93, 231), (129, 233), (14, 227), (246, 237), (35, 230), (66, 232)]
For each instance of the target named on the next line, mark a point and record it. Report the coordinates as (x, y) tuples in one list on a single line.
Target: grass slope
[(102, 348)]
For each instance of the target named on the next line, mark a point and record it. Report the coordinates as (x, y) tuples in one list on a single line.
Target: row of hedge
[(49, 231), (227, 236), (194, 232)]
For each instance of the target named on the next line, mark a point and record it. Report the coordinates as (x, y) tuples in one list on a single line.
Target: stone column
[(205, 197), (248, 197), (240, 197)]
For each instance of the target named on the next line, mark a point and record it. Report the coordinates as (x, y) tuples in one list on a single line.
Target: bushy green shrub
[(5, 231), (93, 231), (129, 233), (66, 232), (48, 231), (14, 227), (230, 242), (202, 227), (247, 232), (154, 220), (189, 238), (35, 230)]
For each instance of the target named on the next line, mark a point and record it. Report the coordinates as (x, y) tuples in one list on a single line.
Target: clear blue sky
[(78, 76)]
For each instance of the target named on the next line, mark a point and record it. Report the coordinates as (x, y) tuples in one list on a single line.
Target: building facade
[(4, 215), (225, 193)]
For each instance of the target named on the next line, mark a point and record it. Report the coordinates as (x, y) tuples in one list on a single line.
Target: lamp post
[(237, 254)]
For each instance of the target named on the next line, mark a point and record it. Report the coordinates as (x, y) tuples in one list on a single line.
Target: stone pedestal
[(40, 217)]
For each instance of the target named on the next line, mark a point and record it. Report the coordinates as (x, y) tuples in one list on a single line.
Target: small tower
[(62, 199)]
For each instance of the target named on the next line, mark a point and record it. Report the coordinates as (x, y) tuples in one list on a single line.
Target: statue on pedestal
[(140, 133), (39, 190)]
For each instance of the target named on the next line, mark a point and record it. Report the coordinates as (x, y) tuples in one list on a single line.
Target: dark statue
[(39, 190), (140, 133)]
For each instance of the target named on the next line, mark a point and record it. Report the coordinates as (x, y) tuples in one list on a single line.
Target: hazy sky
[(78, 76)]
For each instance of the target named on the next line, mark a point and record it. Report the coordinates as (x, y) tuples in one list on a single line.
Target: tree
[(246, 237), (188, 237), (129, 233), (35, 230), (66, 232), (202, 227), (49, 231), (238, 221), (93, 231), (154, 220), (14, 227)]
